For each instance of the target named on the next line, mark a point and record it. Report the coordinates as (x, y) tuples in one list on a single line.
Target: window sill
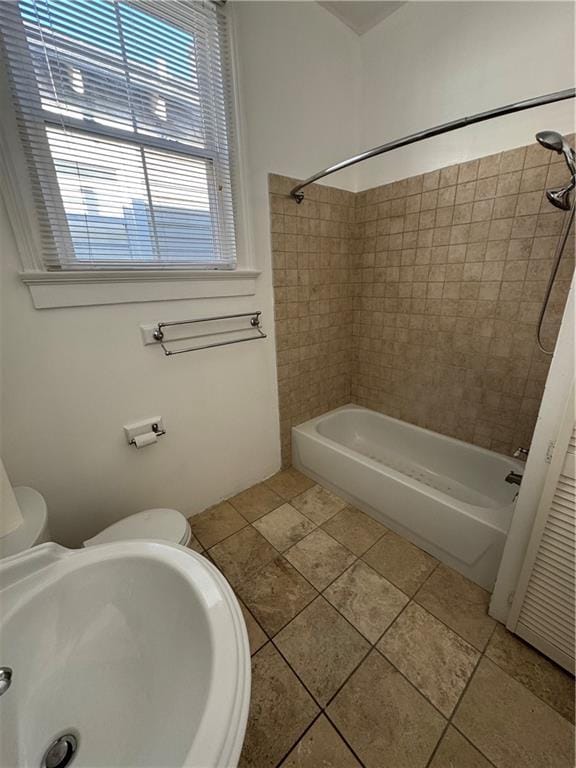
[(78, 288)]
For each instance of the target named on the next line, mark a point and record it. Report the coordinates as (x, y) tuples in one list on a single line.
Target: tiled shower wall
[(311, 247), (442, 276)]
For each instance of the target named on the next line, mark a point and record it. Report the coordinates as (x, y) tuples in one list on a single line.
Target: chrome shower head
[(550, 140), (560, 198), (556, 142)]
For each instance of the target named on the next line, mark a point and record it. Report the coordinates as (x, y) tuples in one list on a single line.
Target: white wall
[(73, 377), (432, 62), (300, 89)]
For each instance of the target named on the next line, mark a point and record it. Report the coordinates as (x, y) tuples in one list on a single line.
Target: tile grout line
[(512, 677), (322, 709), (457, 706), (351, 673), (449, 719)]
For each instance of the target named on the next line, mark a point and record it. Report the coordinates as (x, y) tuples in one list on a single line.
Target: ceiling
[(360, 15)]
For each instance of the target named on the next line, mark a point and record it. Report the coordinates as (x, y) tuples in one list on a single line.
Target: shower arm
[(298, 195)]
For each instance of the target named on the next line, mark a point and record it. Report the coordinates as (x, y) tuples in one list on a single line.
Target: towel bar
[(158, 333)]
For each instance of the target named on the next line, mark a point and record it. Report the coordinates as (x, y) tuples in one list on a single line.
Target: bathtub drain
[(61, 752)]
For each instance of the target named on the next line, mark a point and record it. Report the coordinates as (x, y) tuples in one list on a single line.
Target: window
[(125, 116)]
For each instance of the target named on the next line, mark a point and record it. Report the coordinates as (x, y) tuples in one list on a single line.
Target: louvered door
[(543, 611)]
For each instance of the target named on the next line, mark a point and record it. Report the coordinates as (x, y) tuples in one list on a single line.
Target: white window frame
[(79, 287)]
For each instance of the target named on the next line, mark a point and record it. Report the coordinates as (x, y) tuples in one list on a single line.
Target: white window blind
[(125, 115)]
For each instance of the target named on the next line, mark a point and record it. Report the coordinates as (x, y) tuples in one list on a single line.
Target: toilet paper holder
[(153, 426), (157, 431)]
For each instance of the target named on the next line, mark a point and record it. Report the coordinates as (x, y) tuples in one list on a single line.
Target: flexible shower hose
[(558, 257)]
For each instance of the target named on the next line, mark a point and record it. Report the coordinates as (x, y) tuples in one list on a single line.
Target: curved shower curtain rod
[(519, 106)]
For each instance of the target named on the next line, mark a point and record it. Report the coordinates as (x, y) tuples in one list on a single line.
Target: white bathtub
[(448, 497)]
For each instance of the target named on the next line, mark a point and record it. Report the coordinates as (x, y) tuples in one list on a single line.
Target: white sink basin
[(139, 649)]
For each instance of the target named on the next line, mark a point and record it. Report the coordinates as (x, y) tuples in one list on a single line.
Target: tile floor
[(366, 651)]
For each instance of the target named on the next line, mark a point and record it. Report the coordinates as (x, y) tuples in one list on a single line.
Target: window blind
[(125, 113)]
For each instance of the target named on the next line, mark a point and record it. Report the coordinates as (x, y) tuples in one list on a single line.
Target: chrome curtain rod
[(453, 125)]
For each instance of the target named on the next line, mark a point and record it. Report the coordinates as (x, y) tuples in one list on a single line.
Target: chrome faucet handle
[(515, 478), (521, 453)]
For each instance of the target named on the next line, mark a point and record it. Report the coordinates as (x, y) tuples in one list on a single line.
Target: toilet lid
[(163, 524)]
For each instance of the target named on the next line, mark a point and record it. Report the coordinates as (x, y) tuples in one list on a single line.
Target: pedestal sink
[(126, 654)]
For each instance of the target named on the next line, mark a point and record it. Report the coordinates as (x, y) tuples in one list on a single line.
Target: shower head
[(550, 140), (556, 142), (560, 198)]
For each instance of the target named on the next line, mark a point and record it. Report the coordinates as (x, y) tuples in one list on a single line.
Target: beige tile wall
[(311, 247), (420, 298), (447, 289)]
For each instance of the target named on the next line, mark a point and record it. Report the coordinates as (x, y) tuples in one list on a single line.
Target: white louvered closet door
[(543, 610)]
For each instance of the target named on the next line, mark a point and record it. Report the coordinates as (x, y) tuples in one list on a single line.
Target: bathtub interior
[(462, 471)]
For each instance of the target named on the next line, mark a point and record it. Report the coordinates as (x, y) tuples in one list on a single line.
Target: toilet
[(153, 524)]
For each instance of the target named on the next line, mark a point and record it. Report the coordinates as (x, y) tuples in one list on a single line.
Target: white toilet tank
[(34, 526)]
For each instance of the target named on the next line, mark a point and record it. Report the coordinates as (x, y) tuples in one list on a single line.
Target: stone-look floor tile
[(459, 603), (256, 501), (319, 504), (384, 719), (242, 555), (455, 752), (319, 558), (322, 648), (546, 680), (280, 711), (510, 725), (357, 531), (256, 635), (289, 483), (321, 747), (434, 658), (399, 561), (194, 544), (369, 601), (216, 523), (284, 526), (275, 594)]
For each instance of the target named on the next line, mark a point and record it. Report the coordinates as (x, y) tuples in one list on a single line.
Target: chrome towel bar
[(158, 333)]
